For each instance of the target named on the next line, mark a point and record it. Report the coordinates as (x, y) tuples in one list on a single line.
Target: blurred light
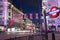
[(44, 7), (5, 11), (9, 3), (12, 29), (12, 6), (1, 28), (44, 1), (55, 11), (28, 24), (8, 30)]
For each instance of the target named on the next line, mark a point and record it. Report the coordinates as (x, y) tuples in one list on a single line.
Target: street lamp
[(44, 14)]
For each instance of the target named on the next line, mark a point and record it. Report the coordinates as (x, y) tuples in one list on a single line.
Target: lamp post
[(44, 14)]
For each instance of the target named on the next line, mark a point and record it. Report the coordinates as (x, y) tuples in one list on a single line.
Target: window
[(58, 25), (9, 7), (51, 21), (10, 1), (1, 0), (1, 23), (9, 13), (1, 11), (0, 19), (1, 5)]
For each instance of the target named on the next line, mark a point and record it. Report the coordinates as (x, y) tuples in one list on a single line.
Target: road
[(9, 35), (26, 36)]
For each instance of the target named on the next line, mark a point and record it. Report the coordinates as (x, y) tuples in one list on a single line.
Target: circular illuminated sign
[(54, 15)]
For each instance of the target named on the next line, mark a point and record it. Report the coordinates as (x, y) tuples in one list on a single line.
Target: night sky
[(29, 6)]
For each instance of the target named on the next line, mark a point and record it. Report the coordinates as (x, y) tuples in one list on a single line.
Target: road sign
[(54, 12)]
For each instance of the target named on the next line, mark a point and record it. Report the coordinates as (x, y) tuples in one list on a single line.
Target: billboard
[(52, 21), (3, 12)]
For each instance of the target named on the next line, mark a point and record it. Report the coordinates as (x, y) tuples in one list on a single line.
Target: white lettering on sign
[(54, 11)]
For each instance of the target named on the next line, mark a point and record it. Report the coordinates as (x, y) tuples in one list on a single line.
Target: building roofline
[(14, 8)]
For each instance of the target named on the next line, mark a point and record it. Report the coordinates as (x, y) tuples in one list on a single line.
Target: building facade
[(3, 14), (15, 16)]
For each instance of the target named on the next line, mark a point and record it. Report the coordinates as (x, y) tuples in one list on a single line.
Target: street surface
[(26, 36)]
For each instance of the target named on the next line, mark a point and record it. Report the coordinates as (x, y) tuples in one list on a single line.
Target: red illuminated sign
[(54, 15)]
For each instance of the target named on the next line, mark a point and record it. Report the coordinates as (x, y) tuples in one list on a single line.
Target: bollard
[(53, 36)]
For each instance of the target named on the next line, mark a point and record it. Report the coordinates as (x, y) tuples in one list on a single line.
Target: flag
[(31, 16), (36, 15), (25, 16)]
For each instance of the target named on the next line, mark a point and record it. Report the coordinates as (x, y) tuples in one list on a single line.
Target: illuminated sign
[(54, 12)]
